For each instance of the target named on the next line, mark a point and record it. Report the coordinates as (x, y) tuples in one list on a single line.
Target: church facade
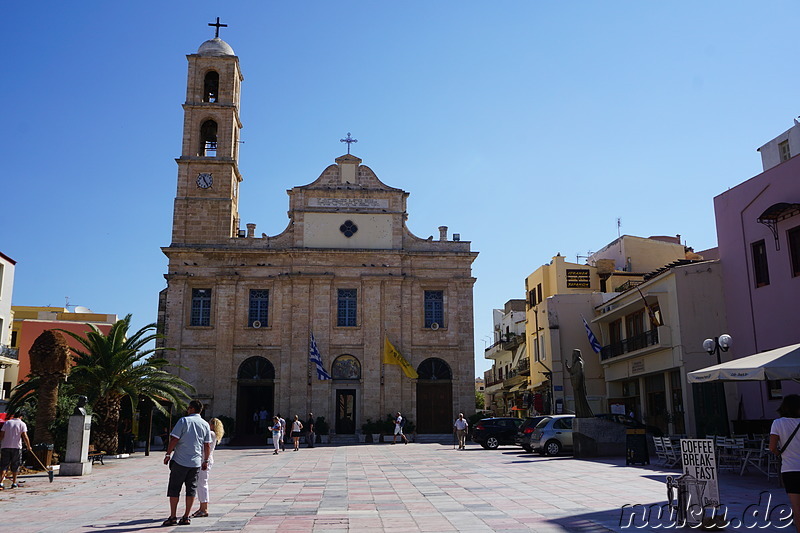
[(239, 309)]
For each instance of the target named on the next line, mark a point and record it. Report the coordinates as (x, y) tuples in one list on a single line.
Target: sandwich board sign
[(700, 462)]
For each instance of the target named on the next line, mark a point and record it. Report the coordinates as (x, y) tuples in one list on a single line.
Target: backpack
[(403, 422)]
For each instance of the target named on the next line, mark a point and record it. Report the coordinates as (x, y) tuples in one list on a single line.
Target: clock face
[(204, 180)]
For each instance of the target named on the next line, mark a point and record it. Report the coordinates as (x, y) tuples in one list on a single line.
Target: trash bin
[(636, 447), (687, 493), (44, 452)]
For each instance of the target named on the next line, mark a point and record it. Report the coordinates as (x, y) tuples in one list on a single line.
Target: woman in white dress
[(217, 432)]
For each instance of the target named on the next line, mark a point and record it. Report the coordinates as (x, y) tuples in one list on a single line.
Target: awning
[(515, 388), (515, 408), (778, 364)]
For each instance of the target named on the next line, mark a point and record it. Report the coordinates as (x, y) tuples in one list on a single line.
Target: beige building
[(507, 380), (653, 336), (9, 354), (239, 308)]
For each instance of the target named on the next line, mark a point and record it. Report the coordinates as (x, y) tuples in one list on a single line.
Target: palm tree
[(50, 362), (114, 366)]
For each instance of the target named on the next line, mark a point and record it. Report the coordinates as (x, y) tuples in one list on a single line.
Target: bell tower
[(206, 204)]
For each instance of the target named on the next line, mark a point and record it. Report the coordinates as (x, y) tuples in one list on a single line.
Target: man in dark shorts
[(12, 435), (190, 439)]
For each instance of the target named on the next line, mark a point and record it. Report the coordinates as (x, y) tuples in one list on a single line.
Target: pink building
[(758, 231)]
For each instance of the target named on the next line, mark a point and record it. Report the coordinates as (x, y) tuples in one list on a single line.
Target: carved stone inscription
[(368, 203)]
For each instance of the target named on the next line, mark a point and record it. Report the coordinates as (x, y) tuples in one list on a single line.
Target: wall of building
[(771, 153), (639, 254)]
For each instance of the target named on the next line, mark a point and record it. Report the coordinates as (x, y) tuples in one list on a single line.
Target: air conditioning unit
[(256, 324), (435, 326)]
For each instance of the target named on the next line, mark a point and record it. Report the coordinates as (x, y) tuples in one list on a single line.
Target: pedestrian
[(255, 422), (399, 422), (276, 434), (783, 434), (12, 435), (283, 432), (190, 440), (297, 429), (263, 419), (460, 426), (217, 432), (310, 435)]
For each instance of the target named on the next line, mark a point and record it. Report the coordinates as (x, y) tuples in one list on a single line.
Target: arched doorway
[(434, 397), (255, 391), (346, 374)]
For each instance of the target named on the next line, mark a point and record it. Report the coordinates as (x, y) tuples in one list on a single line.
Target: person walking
[(460, 426), (12, 436), (297, 429), (310, 435), (785, 444), (190, 440), (276, 434), (399, 422), (283, 432), (217, 432)]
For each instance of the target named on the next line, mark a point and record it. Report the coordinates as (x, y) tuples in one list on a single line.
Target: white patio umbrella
[(778, 364)]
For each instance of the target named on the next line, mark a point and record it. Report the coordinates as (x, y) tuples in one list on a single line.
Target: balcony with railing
[(9, 352), (631, 344), (523, 367)]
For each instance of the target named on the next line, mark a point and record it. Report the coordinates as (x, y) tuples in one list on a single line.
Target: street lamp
[(717, 344)]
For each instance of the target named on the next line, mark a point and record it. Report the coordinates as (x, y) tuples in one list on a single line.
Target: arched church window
[(208, 139), (256, 368), (434, 368), (346, 367), (211, 87)]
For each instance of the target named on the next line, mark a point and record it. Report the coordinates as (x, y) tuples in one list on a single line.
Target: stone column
[(77, 461)]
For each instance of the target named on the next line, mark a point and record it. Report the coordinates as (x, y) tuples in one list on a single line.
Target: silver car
[(553, 435)]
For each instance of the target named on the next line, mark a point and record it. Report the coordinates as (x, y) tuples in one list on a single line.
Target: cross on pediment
[(349, 140)]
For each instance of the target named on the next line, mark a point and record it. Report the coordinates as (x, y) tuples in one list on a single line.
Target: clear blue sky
[(526, 126)]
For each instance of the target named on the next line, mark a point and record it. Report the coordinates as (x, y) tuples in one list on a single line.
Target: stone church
[(239, 309)]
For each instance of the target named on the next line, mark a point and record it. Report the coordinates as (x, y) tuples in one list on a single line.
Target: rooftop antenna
[(67, 305), (619, 233)]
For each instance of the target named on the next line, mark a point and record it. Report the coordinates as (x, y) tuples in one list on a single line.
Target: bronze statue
[(578, 379), (80, 408)]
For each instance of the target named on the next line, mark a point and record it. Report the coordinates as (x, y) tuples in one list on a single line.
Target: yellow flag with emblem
[(393, 357)]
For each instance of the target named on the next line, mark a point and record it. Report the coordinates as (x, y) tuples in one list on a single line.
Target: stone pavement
[(367, 487)]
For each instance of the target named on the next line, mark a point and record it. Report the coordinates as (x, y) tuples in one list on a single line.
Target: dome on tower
[(214, 48)]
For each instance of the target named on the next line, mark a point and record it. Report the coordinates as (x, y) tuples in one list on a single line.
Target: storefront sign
[(699, 461), (637, 367), (578, 278)]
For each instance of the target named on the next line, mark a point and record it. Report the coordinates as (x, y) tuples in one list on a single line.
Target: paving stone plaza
[(373, 487)]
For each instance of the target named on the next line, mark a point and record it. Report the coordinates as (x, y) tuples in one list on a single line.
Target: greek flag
[(316, 358), (592, 339)]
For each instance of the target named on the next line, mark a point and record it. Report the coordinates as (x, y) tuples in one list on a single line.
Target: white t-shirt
[(297, 426), (12, 433), (783, 428), (461, 424)]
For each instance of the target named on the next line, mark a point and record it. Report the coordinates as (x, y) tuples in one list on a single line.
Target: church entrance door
[(345, 411), (434, 397), (251, 399)]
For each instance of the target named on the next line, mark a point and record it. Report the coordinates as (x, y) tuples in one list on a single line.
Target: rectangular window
[(347, 308), (783, 148), (14, 339), (259, 308), (201, 307), (760, 267), (434, 308), (615, 331), (531, 298), (634, 324), (793, 236), (539, 292)]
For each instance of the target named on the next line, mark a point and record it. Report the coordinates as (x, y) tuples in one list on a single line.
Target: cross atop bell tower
[(218, 26)]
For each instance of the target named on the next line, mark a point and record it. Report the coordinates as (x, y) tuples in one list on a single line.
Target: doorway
[(435, 397), (255, 393), (345, 412)]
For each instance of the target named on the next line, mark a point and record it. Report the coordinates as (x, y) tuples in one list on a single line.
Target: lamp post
[(718, 344)]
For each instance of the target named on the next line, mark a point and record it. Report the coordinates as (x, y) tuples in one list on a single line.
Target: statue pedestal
[(593, 437), (77, 461)]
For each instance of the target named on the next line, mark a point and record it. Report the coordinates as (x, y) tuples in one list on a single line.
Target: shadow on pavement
[(131, 525)]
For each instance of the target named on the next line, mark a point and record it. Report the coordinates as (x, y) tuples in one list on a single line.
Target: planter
[(324, 438), (224, 441), (362, 438), (376, 437)]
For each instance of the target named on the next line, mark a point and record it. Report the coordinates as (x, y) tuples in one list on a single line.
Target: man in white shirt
[(14, 432), (461, 426)]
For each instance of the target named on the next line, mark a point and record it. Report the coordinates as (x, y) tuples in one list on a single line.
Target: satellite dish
[(256, 324), (435, 326), (82, 309)]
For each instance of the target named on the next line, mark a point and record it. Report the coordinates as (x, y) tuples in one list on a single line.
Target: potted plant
[(322, 429), (372, 429), (230, 425), (387, 426)]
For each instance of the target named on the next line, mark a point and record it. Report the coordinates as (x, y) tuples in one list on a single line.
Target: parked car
[(552, 435), (523, 437), (629, 422), (492, 432)]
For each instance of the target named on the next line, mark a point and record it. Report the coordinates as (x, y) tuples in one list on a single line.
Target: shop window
[(774, 389), (760, 267)]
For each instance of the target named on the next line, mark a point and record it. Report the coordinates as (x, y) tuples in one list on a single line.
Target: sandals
[(171, 521), (185, 521), (200, 514)]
